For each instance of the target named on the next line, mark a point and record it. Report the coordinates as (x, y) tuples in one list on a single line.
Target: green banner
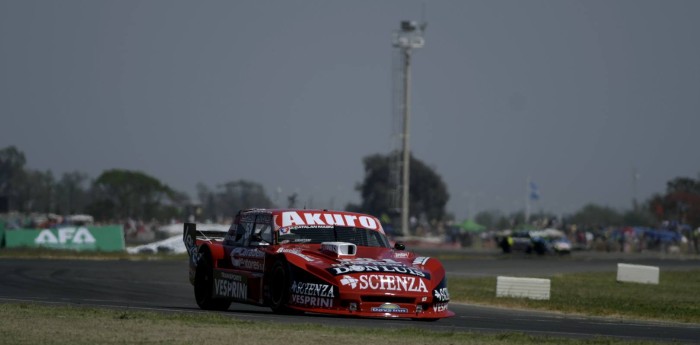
[(2, 233), (82, 238)]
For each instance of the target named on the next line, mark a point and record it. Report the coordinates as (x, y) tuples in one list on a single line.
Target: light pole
[(409, 37)]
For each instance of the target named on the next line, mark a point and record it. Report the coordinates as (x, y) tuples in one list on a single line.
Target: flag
[(534, 191)]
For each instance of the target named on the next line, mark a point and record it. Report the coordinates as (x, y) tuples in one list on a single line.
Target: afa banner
[(83, 238), (2, 233)]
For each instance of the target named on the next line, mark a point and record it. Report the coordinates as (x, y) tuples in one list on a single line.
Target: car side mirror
[(399, 246)]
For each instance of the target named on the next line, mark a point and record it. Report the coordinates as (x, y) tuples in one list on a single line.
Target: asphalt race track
[(163, 286)]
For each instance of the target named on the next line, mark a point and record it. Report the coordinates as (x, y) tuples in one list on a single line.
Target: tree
[(124, 193), (33, 191), (681, 202), (230, 197), (592, 214), (71, 193), (427, 191), (207, 200), (12, 163), (487, 218), (641, 217)]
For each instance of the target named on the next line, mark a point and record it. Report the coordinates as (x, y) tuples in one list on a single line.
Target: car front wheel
[(280, 282)]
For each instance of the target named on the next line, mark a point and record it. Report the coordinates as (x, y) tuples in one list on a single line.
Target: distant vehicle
[(537, 241), (319, 261)]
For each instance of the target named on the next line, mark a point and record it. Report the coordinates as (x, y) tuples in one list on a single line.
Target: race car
[(317, 261)]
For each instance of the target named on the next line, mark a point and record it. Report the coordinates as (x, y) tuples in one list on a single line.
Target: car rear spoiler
[(190, 234)]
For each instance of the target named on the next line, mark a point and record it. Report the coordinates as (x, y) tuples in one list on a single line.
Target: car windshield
[(357, 236)]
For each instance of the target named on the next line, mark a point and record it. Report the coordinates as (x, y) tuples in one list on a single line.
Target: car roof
[(317, 217)]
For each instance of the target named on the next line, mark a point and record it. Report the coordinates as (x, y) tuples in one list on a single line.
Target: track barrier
[(637, 274), (532, 288)]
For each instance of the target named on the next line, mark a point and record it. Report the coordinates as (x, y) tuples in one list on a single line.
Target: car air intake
[(339, 248)]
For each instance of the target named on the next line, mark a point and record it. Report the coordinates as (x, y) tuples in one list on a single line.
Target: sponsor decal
[(311, 301), (296, 252), (248, 264), (248, 218), (312, 289), (372, 265), (284, 231), (441, 294), (348, 280), (230, 285), (294, 218), (65, 235), (439, 307), (194, 255), (401, 255), (248, 258), (386, 283), (247, 252), (420, 260), (383, 269), (389, 308)]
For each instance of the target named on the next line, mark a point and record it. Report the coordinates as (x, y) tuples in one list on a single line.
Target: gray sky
[(292, 94)]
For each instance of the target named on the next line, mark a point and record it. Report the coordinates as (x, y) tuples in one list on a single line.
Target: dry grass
[(39, 324), (675, 298)]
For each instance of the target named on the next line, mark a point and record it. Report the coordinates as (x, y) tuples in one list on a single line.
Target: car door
[(248, 256)]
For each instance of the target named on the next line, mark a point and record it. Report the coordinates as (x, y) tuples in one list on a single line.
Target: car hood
[(366, 260)]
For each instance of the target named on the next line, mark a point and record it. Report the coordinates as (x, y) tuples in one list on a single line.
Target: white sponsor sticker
[(442, 294), (300, 218), (312, 289), (230, 289), (65, 235), (312, 301), (385, 283), (440, 307), (420, 260)]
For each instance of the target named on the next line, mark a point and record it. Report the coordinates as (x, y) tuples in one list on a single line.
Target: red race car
[(318, 261)]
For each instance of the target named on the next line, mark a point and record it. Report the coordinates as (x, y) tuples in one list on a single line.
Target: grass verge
[(675, 298), (39, 324)]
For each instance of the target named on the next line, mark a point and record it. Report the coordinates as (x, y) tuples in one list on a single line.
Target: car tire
[(204, 285), (505, 246), (279, 285)]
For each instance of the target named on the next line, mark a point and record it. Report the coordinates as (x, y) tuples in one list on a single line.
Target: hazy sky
[(293, 94)]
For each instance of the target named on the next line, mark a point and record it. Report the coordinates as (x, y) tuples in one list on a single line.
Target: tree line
[(679, 204), (117, 194)]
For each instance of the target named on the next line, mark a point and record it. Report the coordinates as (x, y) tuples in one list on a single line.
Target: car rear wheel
[(280, 282), (540, 248), (204, 286)]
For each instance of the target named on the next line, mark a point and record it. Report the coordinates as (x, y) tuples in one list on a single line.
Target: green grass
[(676, 298), (39, 324)]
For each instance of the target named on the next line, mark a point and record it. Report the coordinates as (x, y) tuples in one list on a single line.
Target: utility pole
[(408, 38), (635, 180), (406, 151)]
